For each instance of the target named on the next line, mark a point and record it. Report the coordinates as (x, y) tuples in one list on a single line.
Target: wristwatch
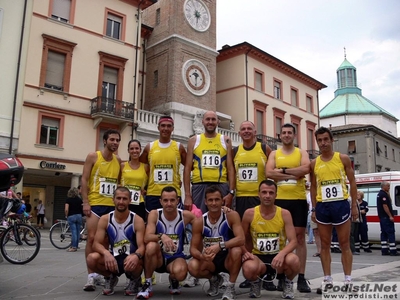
[(138, 255), (160, 235), (232, 192), (313, 209), (222, 245), (284, 170)]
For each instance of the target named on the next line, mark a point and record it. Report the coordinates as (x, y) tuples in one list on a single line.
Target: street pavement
[(57, 274)]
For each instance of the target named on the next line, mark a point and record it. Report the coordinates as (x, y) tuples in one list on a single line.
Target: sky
[(310, 35)]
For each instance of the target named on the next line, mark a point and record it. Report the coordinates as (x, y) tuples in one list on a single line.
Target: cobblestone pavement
[(57, 274)]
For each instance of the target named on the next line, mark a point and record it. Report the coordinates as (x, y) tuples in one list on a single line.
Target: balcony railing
[(312, 154), (270, 141), (102, 106)]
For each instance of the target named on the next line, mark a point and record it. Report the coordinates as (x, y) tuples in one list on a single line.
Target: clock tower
[(180, 57)]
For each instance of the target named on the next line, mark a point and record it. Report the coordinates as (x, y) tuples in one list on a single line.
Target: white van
[(370, 184)]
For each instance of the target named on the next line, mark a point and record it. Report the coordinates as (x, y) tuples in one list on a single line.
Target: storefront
[(48, 181)]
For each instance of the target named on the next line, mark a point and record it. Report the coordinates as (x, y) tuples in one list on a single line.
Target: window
[(293, 97), (394, 156), (158, 15), (351, 147), (310, 139), (278, 126), (111, 76), (386, 152), (279, 117), (50, 129), (387, 169), (309, 104), (260, 109), (296, 121), (55, 71), (114, 26), (155, 81), (109, 86), (61, 10), (277, 89), (258, 77), (259, 121), (378, 168), (378, 149)]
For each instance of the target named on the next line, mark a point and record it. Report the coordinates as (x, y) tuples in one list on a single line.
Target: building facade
[(361, 128), (126, 64), (253, 85)]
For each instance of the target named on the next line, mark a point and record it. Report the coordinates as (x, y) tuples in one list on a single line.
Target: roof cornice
[(245, 48)]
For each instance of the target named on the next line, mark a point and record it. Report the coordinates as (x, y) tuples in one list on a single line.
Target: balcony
[(270, 141), (112, 111), (312, 154)]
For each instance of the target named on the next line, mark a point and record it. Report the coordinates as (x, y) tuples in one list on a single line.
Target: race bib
[(107, 186), (209, 241), (268, 243), (163, 174), (287, 182), (332, 192), (175, 239), (210, 159), (121, 247), (247, 172)]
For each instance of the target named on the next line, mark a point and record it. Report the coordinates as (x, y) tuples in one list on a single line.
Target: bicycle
[(19, 242), (60, 234)]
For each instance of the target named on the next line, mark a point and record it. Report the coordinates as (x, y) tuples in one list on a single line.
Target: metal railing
[(111, 107)]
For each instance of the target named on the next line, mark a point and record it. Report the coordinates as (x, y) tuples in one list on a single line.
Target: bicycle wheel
[(60, 235), (15, 249), (186, 245), (30, 236)]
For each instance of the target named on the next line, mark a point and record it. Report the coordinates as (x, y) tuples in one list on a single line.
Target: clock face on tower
[(196, 77), (197, 14)]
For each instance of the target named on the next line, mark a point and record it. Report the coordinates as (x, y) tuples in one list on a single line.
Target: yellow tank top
[(103, 181), (290, 189), (269, 236), (331, 179), (135, 181), (164, 162), (209, 159), (250, 170)]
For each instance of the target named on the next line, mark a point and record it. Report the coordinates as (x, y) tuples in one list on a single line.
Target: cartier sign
[(51, 165)]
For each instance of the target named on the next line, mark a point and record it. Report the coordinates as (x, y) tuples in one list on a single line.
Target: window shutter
[(61, 9), (55, 69), (110, 75), (50, 122)]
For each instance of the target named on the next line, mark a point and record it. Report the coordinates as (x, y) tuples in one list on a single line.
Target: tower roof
[(346, 65), (353, 103)]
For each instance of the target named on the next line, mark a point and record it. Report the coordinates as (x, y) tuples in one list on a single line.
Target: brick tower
[(181, 56)]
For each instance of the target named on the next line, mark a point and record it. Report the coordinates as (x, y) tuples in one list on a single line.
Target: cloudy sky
[(310, 35)]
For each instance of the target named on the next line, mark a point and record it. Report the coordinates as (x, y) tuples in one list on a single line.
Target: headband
[(163, 119)]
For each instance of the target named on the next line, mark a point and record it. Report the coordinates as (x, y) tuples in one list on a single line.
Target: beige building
[(13, 53), (124, 65), (254, 85)]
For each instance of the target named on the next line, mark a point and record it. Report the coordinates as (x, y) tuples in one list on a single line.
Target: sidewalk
[(57, 274)]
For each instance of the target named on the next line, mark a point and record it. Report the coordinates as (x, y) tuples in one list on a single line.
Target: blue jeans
[(75, 223)]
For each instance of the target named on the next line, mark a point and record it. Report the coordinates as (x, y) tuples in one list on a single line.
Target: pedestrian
[(331, 208), (164, 157), (288, 167), (164, 238), (386, 220), (134, 176), (119, 246), (73, 213), (249, 159), (99, 181), (363, 229), (267, 227), (216, 244), (40, 211)]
